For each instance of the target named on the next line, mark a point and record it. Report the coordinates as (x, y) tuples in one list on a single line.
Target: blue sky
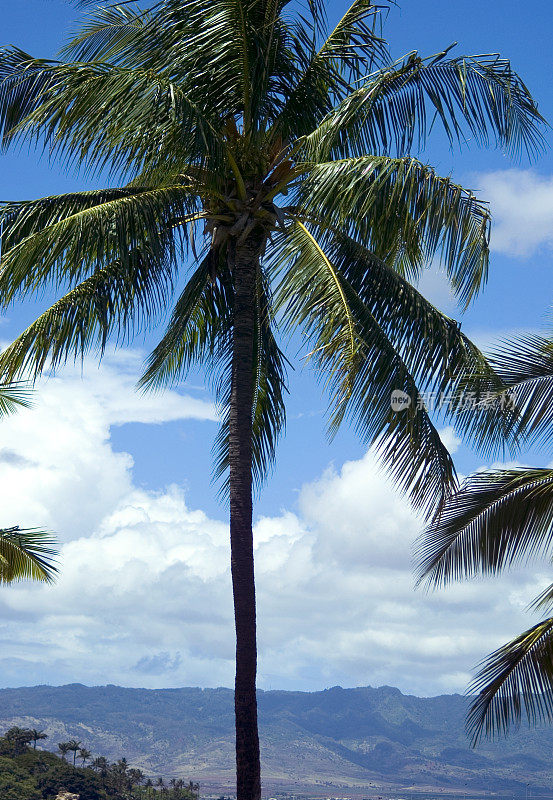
[(156, 454)]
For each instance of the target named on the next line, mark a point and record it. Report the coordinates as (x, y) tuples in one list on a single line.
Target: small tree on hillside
[(64, 749), (19, 738), (73, 747), (37, 736)]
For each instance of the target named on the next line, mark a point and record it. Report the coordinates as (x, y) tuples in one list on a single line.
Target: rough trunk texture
[(248, 773)]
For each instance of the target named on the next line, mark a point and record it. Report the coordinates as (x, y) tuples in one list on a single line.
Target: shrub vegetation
[(30, 774)]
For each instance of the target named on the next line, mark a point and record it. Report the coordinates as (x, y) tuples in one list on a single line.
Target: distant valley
[(364, 742)]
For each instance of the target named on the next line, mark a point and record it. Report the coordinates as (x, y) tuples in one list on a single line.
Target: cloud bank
[(144, 595)]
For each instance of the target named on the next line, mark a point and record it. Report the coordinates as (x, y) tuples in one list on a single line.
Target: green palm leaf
[(432, 346), (347, 54), (497, 519), (363, 369), (526, 369), (26, 554), (121, 298), (61, 240), (401, 206), (501, 516), (12, 397), (51, 102), (110, 32), (515, 680), (198, 331), (479, 95)]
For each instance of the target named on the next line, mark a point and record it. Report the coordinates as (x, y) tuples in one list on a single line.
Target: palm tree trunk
[(248, 770)]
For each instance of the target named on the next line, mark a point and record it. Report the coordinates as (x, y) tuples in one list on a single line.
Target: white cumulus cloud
[(521, 202), (144, 593), (57, 467)]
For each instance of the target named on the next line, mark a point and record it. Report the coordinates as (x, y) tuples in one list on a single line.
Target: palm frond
[(61, 240), (401, 206), (525, 366), (346, 55), (27, 554), (236, 51), (544, 601), (515, 680), (62, 108), (362, 368), (497, 519), (310, 288), (120, 298), (472, 96), (108, 34), (407, 441), (432, 346), (13, 396), (198, 331)]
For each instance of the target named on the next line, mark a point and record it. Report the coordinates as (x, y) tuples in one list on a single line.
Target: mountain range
[(363, 742)]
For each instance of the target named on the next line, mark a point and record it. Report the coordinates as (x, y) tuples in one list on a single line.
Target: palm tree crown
[(267, 163), (38, 736), (73, 746), (228, 114), (64, 748)]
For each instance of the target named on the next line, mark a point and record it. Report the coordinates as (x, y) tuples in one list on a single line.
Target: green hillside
[(365, 739), (28, 773)]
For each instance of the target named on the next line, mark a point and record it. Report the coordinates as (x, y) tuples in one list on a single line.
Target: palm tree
[(73, 746), (84, 755), (102, 765), (37, 736), (64, 748), (497, 519), (267, 161)]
